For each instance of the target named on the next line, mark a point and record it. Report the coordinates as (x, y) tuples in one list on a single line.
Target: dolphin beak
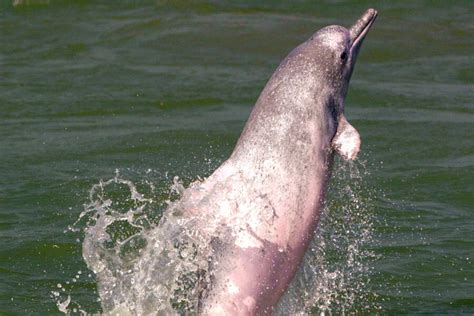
[(360, 29)]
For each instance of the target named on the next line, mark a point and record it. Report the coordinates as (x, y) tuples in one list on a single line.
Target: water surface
[(159, 89)]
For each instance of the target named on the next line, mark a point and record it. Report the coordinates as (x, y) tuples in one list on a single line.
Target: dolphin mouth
[(361, 27)]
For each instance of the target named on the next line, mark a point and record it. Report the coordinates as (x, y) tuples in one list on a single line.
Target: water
[(162, 89)]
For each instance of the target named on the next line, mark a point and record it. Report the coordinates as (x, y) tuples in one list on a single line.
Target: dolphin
[(269, 194), (233, 242)]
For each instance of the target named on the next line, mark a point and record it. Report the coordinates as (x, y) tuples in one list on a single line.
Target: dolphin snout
[(361, 27)]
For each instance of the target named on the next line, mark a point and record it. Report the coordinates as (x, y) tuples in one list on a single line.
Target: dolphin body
[(269, 194), (233, 242), (240, 235)]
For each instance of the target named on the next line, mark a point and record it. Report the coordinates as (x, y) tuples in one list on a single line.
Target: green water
[(158, 89)]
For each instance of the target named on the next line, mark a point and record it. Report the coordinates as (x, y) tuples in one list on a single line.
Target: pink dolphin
[(269, 194)]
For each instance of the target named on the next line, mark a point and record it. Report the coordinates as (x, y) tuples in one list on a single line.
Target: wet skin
[(267, 197)]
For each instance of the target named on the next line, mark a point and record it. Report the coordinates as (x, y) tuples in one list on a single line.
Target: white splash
[(146, 262)]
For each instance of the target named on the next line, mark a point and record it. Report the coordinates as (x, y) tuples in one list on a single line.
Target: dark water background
[(157, 89)]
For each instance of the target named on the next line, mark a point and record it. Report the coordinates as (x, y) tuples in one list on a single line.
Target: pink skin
[(266, 199)]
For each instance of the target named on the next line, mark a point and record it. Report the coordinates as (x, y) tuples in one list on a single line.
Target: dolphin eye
[(333, 111), (344, 56)]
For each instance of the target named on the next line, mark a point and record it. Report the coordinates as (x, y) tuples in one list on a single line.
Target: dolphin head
[(333, 52), (310, 85), (336, 48)]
